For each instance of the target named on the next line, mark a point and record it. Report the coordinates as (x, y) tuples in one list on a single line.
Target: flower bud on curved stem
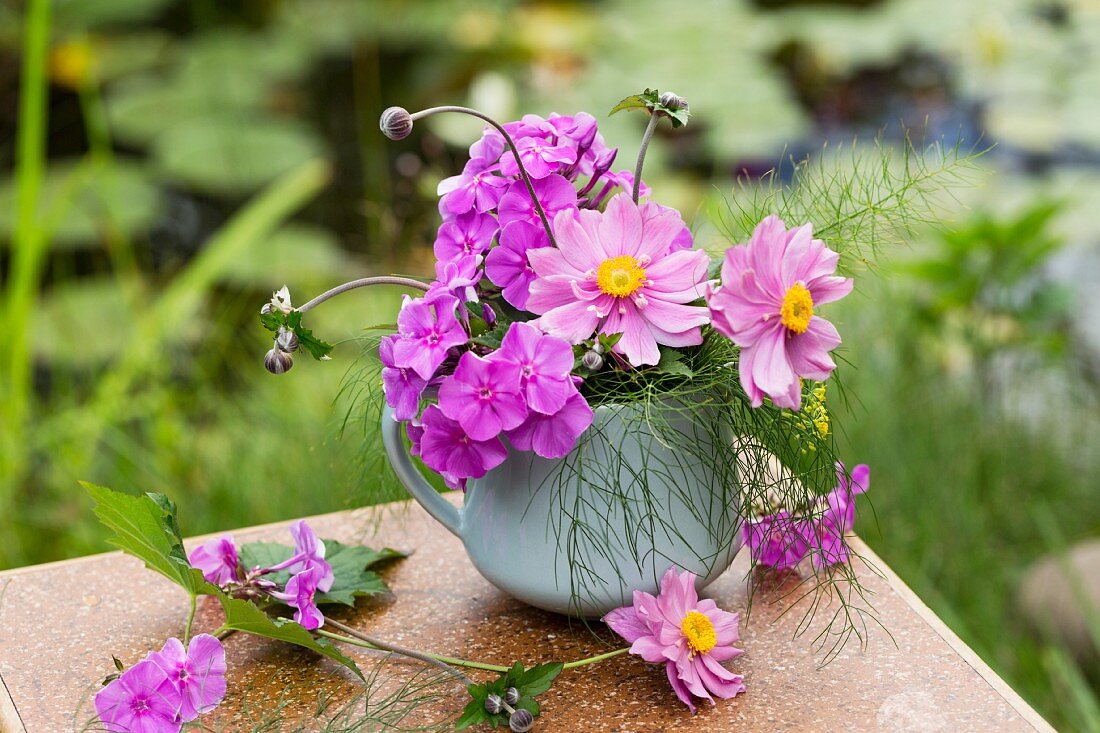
[(396, 123), (507, 139), (670, 100)]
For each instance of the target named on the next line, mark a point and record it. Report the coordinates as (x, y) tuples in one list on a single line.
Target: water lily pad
[(80, 199), (233, 154), (297, 254)]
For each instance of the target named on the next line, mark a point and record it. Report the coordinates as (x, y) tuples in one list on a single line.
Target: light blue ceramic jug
[(549, 533)]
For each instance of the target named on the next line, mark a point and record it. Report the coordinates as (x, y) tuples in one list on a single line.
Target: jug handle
[(392, 439)]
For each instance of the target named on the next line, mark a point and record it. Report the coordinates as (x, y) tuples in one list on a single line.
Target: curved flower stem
[(411, 653), (361, 639), (362, 283), (654, 118), (511, 146)]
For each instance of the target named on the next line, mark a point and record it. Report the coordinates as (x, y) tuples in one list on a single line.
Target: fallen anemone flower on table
[(691, 637)]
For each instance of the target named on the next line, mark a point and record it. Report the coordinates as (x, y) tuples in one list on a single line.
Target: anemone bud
[(511, 696), (278, 362), (493, 704), (521, 721), (287, 340), (592, 361), (396, 123), (673, 101)]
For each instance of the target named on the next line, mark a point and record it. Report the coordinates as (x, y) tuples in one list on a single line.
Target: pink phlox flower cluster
[(166, 689), (782, 540)]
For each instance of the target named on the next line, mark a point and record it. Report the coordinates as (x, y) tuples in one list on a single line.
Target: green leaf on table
[(146, 528), (351, 578), (536, 680), (244, 616), (528, 682), (475, 713)]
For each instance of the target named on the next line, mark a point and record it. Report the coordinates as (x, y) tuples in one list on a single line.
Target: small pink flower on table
[(766, 305), (300, 594), (198, 672), (614, 272), (141, 700), (691, 637)]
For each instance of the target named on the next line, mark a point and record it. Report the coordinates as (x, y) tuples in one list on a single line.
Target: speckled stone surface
[(60, 624)]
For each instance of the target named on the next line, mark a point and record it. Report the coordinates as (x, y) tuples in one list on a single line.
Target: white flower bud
[(493, 704), (511, 696)]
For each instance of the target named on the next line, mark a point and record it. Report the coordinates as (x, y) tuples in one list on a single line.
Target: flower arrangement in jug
[(562, 286)]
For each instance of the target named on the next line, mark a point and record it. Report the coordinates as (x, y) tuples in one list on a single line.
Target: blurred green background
[(198, 154)]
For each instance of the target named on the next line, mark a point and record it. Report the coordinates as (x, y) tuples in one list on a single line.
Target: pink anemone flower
[(691, 637), (613, 272), (766, 305)]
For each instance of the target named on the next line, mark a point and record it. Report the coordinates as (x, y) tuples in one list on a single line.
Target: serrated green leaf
[(273, 321), (493, 338), (645, 100), (672, 362), (241, 615), (146, 528), (538, 679), (530, 705), (474, 713), (609, 340), (317, 348), (650, 100)]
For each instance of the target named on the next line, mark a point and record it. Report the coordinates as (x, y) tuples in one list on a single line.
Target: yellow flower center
[(699, 632), (797, 308), (620, 276)]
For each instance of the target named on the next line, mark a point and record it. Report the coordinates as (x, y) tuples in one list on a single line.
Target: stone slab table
[(60, 623)]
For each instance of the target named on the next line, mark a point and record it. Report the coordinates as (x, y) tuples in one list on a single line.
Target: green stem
[(431, 659), (654, 118), (28, 250), (190, 621), (511, 146), (597, 658)]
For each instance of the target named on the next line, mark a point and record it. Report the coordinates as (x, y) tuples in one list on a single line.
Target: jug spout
[(444, 511)]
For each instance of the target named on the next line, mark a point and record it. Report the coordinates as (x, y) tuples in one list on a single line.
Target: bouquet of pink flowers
[(552, 268)]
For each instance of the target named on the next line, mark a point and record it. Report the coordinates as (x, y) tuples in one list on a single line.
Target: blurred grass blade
[(30, 247), (183, 298)]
